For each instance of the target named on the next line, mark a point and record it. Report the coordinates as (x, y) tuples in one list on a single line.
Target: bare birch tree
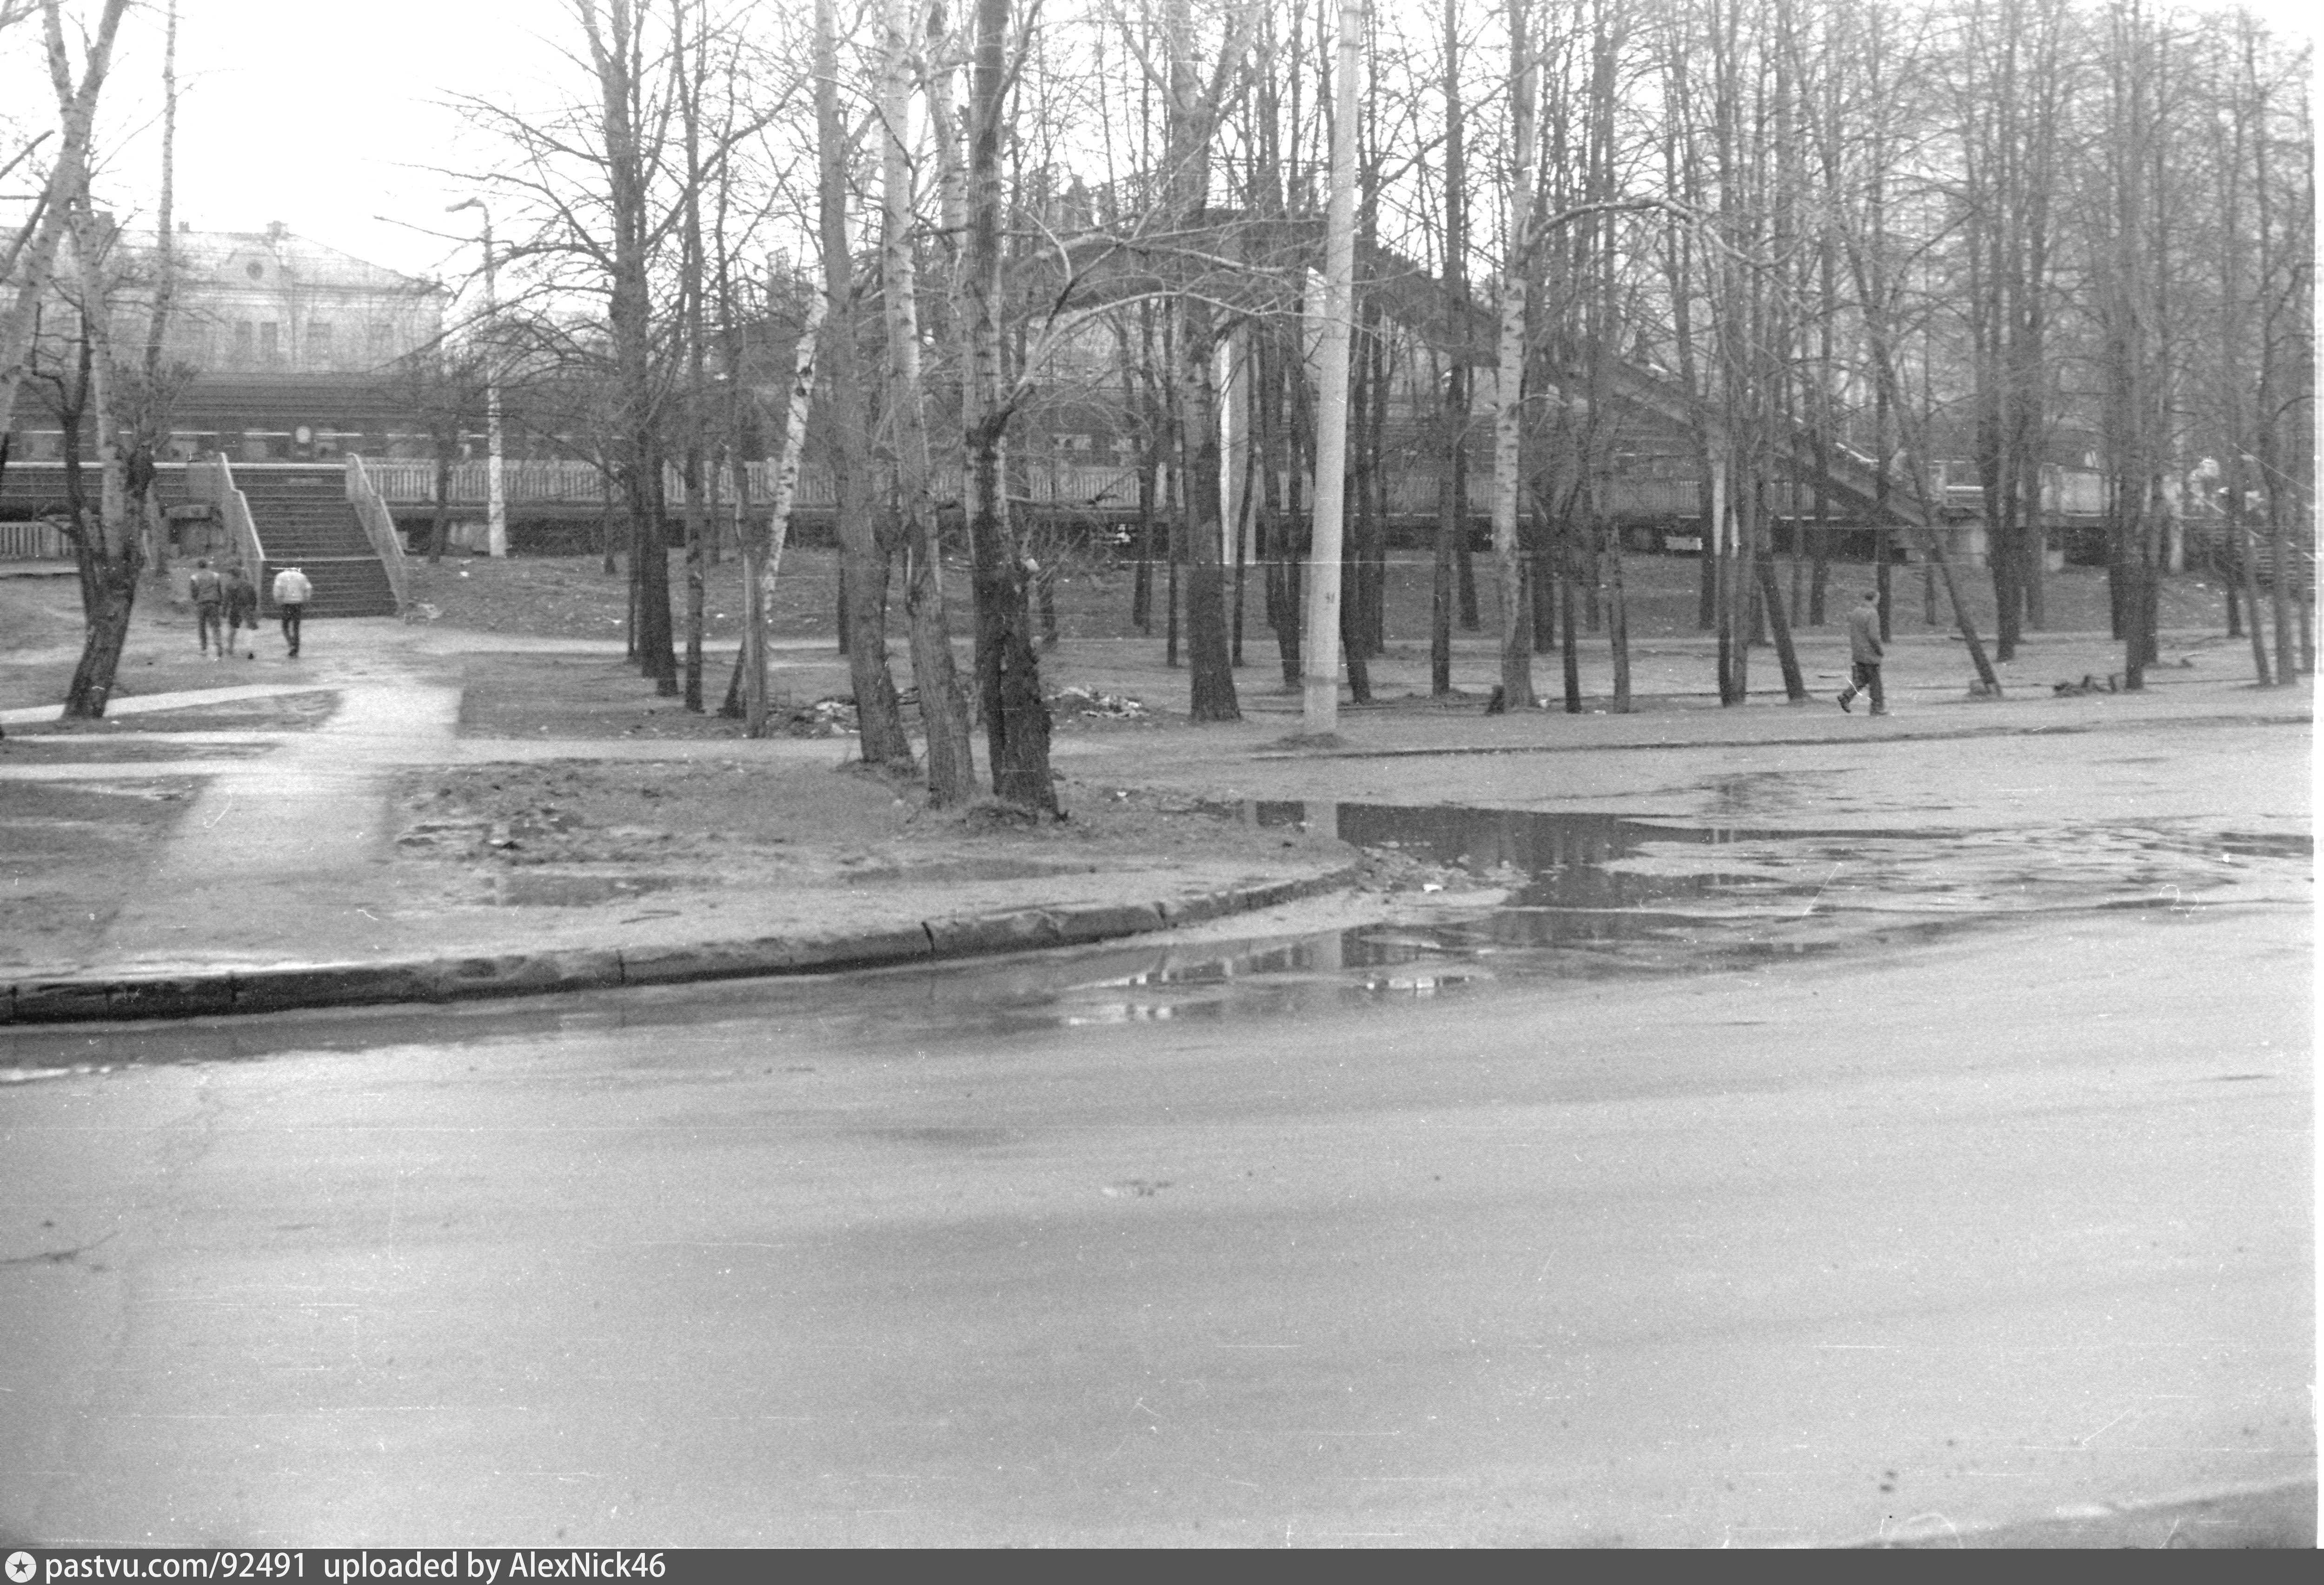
[(630, 130), (1508, 420), (36, 252), (762, 549), (951, 772), (1009, 674), (863, 561), (1321, 708)]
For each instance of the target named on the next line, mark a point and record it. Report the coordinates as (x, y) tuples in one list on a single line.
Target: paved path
[(287, 850), (152, 703), (284, 847), (286, 858)]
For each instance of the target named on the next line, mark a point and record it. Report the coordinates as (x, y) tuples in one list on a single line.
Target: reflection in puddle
[(2246, 844), (1588, 896), (1180, 983)]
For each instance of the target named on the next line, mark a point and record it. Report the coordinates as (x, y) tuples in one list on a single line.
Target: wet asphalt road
[(2011, 1222)]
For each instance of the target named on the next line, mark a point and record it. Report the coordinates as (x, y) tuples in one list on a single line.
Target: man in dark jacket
[(241, 612), (209, 591), (1864, 654)]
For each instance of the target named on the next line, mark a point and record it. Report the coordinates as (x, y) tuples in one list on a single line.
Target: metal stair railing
[(379, 527), (218, 487)]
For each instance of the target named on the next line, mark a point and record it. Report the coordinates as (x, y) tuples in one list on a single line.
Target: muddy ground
[(70, 852), (574, 832)]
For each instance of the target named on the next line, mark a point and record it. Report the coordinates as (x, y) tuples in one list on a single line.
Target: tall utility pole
[(496, 496), (1320, 674)]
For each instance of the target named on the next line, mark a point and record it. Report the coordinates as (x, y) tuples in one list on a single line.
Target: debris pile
[(1083, 702), (824, 718)]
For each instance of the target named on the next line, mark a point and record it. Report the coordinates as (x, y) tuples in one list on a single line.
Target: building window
[(241, 341), (268, 342), (318, 341), (254, 270)]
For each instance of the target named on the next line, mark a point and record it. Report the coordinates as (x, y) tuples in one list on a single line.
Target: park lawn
[(573, 597)]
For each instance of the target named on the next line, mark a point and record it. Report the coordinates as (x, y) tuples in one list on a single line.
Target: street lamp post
[(496, 496)]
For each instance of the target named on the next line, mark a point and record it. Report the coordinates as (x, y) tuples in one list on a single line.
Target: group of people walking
[(227, 604)]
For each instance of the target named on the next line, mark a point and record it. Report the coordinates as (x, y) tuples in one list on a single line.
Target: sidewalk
[(281, 885)]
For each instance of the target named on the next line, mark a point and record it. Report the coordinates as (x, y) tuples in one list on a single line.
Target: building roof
[(221, 254), (221, 257)]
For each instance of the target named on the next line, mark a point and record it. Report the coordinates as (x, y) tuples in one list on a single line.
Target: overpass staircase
[(304, 519)]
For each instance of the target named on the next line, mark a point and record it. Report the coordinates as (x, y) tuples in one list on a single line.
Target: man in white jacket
[(292, 593)]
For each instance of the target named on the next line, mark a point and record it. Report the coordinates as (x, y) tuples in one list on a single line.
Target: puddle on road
[(1588, 896), (1564, 897), (2244, 845)]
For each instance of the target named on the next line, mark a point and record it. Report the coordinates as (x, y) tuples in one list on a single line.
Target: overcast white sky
[(323, 115)]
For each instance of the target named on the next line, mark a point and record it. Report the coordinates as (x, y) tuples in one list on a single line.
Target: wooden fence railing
[(1107, 490), (33, 542), (405, 481), (1104, 489)]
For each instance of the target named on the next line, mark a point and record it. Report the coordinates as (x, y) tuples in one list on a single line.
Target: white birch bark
[(97, 316), (1320, 631), (1508, 420), (952, 772), (764, 552)]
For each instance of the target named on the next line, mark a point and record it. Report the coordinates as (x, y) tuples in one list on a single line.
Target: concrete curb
[(279, 988)]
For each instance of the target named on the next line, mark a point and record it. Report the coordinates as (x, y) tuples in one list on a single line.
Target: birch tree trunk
[(952, 772), (1211, 671), (863, 561), (1320, 673), (1508, 422), (110, 550), (1193, 119), (1453, 509), (687, 80), (616, 57), (763, 552), (1008, 676), (155, 382)]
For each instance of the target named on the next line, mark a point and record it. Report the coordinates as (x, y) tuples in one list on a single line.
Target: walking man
[(292, 593), (1864, 654), (209, 606), (240, 611)]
